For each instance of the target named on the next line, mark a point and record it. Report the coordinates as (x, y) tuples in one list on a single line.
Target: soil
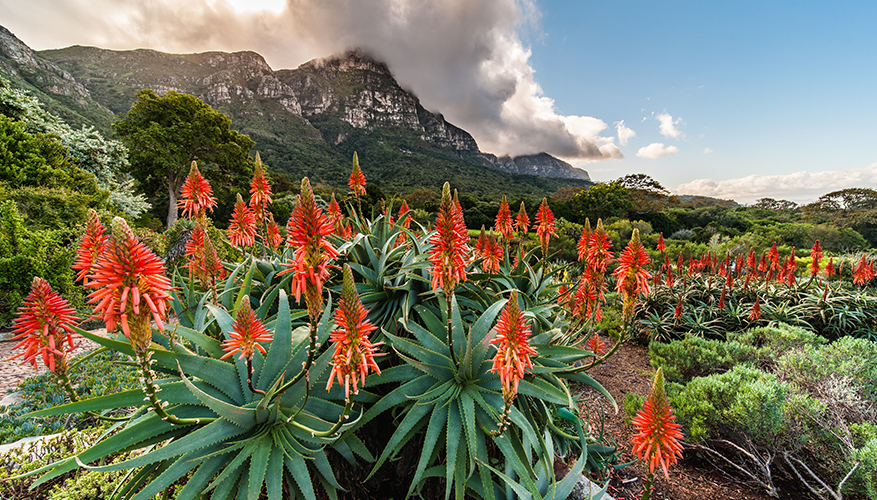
[(693, 478)]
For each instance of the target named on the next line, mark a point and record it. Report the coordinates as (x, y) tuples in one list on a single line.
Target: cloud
[(668, 126), (624, 133), (656, 150), (465, 60), (707, 151), (799, 186)]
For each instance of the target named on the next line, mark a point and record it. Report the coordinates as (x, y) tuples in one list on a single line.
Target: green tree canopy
[(601, 201), (165, 134)]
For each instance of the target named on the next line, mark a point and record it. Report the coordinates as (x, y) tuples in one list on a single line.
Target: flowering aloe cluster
[(356, 336)]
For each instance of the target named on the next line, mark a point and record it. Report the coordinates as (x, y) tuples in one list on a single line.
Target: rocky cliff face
[(351, 88)]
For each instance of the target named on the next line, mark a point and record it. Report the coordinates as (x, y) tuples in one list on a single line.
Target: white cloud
[(656, 150), (624, 133), (799, 186), (465, 60), (707, 150), (668, 126)]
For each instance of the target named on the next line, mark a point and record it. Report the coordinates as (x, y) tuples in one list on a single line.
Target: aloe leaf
[(219, 374), (274, 474), (300, 474), (175, 392), (234, 467), (212, 433), (210, 345), (354, 444), (321, 463), (586, 379), (228, 488), (399, 395), (178, 469), (138, 432), (419, 352), (281, 345), (539, 388), (436, 425), (258, 467), (403, 433), (242, 417), (467, 404)]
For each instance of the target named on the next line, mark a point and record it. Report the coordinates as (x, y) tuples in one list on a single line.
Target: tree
[(601, 201), (165, 134), (854, 208)]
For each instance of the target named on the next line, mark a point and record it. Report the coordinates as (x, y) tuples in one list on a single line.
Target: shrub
[(693, 356)]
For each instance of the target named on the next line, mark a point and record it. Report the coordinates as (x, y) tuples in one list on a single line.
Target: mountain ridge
[(305, 121)]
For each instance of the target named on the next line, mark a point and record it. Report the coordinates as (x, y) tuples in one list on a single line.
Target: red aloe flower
[(522, 222), (503, 222), (354, 354), (242, 228), (125, 276), (587, 296), (492, 254), (545, 220), (93, 243), (248, 332), (633, 278), (599, 248), (864, 272), (260, 191), (272, 234), (333, 212), (357, 179), (404, 222), (480, 242), (657, 440), (595, 345), (678, 312), (661, 245), (307, 232), (196, 195), (450, 247), (203, 261), (755, 313), (43, 326), (722, 298), (513, 349), (829, 268), (584, 241)]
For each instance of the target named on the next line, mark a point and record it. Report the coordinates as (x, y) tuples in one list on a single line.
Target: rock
[(12, 399)]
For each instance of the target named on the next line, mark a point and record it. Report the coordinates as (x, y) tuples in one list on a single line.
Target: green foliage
[(102, 374), (789, 393), (601, 201), (632, 403), (86, 148), (693, 356), (165, 134), (25, 254), (34, 159)]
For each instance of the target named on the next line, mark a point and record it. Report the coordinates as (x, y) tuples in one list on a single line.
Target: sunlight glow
[(275, 6)]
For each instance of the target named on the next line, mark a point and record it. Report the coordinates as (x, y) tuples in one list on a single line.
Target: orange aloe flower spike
[(633, 278), (307, 232), (242, 228), (584, 240), (130, 287), (93, 244), (545, 221), (503, 222), (513, 350), (42, 325), (272, 234), (522, 223), (354, 354), (357, 179), (196, 195), (658, 438), (450, 249), (248, 331), (260, 191)]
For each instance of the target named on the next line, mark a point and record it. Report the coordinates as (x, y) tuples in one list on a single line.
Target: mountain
[(305, 121)]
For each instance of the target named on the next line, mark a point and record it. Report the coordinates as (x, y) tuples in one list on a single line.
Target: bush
[(693, 356)]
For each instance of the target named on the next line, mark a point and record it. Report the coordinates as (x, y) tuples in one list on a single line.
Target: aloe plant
[(231, 441)]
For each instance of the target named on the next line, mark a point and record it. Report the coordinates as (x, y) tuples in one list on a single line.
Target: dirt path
[(13, 371)]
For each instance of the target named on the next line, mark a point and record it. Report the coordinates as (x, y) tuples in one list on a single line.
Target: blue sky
[(768, 87), (738, 100)]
